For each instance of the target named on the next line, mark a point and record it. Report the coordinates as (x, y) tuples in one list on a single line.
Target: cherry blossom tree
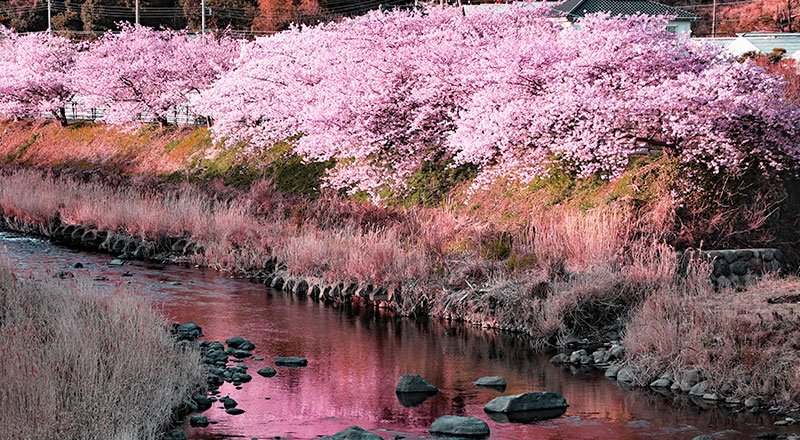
[(380, 93), (142, 70), (34, 74), (513, 92)]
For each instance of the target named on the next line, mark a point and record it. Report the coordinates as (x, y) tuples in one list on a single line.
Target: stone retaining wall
[(273, 273), (740, 267), (93, 238)]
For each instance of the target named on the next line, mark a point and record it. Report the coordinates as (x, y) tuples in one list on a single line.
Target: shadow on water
[(356, 356)]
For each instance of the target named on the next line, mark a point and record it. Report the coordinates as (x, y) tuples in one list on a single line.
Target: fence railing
[(178, 115)]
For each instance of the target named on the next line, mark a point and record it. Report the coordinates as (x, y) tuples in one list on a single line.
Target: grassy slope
[(173, 154)]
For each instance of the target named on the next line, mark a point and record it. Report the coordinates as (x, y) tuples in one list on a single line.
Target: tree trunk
[(61, 116), (162, 121)]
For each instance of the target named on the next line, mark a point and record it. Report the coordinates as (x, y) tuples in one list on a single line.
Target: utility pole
[(49, 18), (714, 20), (137, 12), (203, 17)]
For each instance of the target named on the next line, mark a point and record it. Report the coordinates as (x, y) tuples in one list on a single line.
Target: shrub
[(80, 363), (729, 334)]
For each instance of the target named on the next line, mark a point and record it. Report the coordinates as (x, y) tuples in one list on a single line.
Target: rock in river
[(626, 375), (414, 383), (354, 433), (201, 421), (460, 427), (267, 372), (239, 354), (203, 403), (240, 343), (188, 331), (498, 382), (234, 411), (291, 361), (526, 407), (228, 402), (241, 377)]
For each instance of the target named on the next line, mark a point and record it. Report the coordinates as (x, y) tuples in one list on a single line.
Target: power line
[(720, 4)]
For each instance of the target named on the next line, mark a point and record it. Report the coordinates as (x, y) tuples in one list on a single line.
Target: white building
[(763, 43)]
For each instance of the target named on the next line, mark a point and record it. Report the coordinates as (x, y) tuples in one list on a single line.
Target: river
[(356, 356)]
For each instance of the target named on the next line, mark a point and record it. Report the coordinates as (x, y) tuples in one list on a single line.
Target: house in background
[(571, 10), (575, 9)]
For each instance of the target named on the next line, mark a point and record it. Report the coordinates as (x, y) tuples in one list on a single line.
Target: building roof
[(765, 42), (579, 8)]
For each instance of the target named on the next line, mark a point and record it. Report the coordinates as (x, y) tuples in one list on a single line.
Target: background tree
[(24, 15), (142, 70), (34, 74)]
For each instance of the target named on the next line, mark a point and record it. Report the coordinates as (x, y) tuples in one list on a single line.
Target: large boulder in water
[(354, 433), (414, 383), (494, 382), (458, 426), (526, 402), (412, 390), (267, 372), (228, 403)]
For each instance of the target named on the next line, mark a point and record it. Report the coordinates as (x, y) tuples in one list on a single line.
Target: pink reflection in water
[(356, 356)]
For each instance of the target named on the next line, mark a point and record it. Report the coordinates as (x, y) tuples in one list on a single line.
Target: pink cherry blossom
[(34, 74), (513, 92), (143, 70)]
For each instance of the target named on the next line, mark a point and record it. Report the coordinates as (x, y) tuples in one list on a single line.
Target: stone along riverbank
[(356, 355)]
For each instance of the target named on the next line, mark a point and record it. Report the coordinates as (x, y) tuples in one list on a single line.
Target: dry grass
[(80, 364), (585, 267), (128, 150), (730, 334), (239, 230)]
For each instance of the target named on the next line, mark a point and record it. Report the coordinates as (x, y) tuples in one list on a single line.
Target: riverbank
[(80, 363), (569, 262), (356, 354)]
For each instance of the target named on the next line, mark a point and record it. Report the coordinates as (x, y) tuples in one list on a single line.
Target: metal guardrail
[(179, 115)]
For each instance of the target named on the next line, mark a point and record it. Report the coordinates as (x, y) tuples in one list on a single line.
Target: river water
[(356, 356)]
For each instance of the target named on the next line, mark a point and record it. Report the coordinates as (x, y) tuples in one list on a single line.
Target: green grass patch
[(22, 149), (434, 180)]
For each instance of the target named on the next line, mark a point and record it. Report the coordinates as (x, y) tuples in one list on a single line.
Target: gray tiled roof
[(579, 8)]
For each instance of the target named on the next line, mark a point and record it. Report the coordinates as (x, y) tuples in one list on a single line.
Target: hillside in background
[(255, 17), (743, 16), (247, 18)]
